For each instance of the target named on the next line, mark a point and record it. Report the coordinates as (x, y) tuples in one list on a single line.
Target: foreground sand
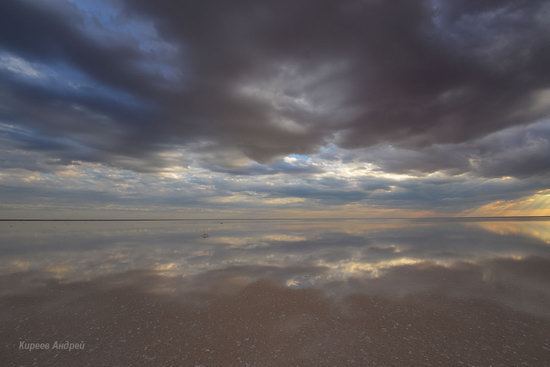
[(147, 319)]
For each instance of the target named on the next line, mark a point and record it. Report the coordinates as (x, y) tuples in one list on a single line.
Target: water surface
[(277, 293)]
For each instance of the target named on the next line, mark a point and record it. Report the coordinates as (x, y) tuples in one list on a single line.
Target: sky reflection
[(343, 249), (278, 293)]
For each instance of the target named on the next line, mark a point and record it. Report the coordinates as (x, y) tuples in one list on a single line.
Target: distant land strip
[(420, 219)]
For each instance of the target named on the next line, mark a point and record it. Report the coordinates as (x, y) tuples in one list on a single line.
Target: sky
[(274, 108)]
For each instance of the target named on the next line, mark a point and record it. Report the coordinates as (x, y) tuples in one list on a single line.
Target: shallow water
[(277, 293)]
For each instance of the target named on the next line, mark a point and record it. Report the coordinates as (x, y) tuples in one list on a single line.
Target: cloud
[(519, 151), (272, 78), (409, 103)]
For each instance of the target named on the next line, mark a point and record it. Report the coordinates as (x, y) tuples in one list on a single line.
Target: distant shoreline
[(420, 219)]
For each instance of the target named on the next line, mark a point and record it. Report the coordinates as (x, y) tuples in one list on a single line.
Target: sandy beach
[(147, 319)]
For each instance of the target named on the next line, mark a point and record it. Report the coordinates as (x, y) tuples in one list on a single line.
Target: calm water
[(347, 292)]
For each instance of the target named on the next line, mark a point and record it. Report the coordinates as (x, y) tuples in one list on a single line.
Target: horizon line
[(269, 219)]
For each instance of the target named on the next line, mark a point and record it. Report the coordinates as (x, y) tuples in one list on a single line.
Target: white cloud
[(18, 65)]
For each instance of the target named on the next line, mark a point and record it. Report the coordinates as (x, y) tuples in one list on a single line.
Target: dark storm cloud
[(415, 72), (270, 78), (36, 32), (520, 151)]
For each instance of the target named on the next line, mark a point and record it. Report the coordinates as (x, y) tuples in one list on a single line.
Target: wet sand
[(294, 293), (148, 319)]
